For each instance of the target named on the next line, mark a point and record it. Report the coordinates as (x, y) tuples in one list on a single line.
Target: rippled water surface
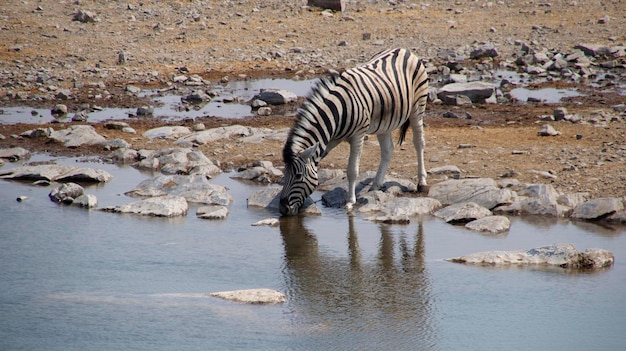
[(73, 279)]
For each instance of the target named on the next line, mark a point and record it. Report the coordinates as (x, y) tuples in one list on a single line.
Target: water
[(547, 95), (168, 105), (73, 279)]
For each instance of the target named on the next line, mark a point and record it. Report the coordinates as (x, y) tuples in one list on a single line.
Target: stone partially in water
[(252, 296), (60, 173), (195, 189), (462, 212), (212, 212), (597, 208), (490, 224), (483, 191), (78, 135), (14, 154), (162, 206), (561, 255), (66, 193)]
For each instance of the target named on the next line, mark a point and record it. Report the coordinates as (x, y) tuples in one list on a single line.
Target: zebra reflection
[(385, 299)]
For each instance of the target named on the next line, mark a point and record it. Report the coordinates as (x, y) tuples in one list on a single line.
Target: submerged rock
[(212, 212), (561, 255), (490, 224), (252, 296)]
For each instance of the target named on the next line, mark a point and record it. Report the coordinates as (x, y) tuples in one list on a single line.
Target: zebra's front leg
[(417, 124), (356, 146), (386, 150)]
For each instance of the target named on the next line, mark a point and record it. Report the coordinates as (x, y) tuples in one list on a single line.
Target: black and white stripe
[(378, 97)]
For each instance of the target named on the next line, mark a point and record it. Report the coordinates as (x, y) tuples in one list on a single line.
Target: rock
[(454, 170), (572, 200), (166, 132), (213, 134), (86, 200), (14, 154), (60, 173), (59, 110), (123, 155), (196, 188), (548, 130), (80, 116), (410, 207), (561, 255), (486, 50), (462, 212), (262, 172), (84, 16), (597, 208), (78, 135), (276, 96), (177, 161), (212, 212), (66, 193), (197, 97), (269, 198), (542, 199), (560, 113), (161, 206), (491, 224), (21, 198), (145, 111), (37, 133), (117, 125), (252, 296), (129, 88), (272, 222), (482, 191), (477, 92)]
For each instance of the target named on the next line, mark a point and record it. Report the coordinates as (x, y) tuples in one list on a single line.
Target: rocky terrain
[(87, 54)]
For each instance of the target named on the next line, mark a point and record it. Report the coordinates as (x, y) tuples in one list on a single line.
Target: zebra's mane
[(306, 116)]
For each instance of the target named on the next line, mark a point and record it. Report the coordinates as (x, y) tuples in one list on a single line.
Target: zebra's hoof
[(423, 189), (349, 206)]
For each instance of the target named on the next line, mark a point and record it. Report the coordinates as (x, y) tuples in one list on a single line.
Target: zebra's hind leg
[(356, 145), (417, 125), (386, 150)]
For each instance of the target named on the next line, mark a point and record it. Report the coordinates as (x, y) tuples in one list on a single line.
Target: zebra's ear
[(309, 152)]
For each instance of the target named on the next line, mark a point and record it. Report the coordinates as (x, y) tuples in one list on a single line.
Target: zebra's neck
[(314, 123)]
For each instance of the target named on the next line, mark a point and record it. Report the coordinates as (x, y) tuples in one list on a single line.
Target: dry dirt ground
[(248, 39)]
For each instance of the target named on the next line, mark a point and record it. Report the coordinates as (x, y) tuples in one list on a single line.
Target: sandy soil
[(248, 39)]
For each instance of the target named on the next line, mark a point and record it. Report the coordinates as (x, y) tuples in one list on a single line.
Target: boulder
[(59, 173), (177, 161), (161, 206), (408, 206), (542, 199), (14, 154), (213, 134), (78, 135), (212, 212), (477, 92), (462, 212), (561, 255), (66, 193), (272, 222), (196, 189), (482, 191), (252, 296), (261, 172), (86, 200), (597, 208), (166, 132), (276, 96), (491, 224)]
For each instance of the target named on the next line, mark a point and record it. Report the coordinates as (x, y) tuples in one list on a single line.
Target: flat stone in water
[(252, 296)]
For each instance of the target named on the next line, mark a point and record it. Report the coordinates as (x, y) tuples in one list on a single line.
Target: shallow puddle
[(78, 279)]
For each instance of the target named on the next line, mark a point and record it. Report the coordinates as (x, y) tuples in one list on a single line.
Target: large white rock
[(78, 135), (598, 208), (252, 296), (562, 255), (14, 154), (212, 212), (483, 191), (166, 132), (490, 224), (60, 173), (462, 212), (213, 134), (194, 188), (162, 206)]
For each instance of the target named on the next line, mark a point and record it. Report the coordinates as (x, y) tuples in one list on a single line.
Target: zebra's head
[(299, 180)]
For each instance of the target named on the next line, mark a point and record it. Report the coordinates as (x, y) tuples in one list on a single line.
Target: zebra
[(386, 93)]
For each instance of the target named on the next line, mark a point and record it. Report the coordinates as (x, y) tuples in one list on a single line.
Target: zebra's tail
[(403, 130)]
